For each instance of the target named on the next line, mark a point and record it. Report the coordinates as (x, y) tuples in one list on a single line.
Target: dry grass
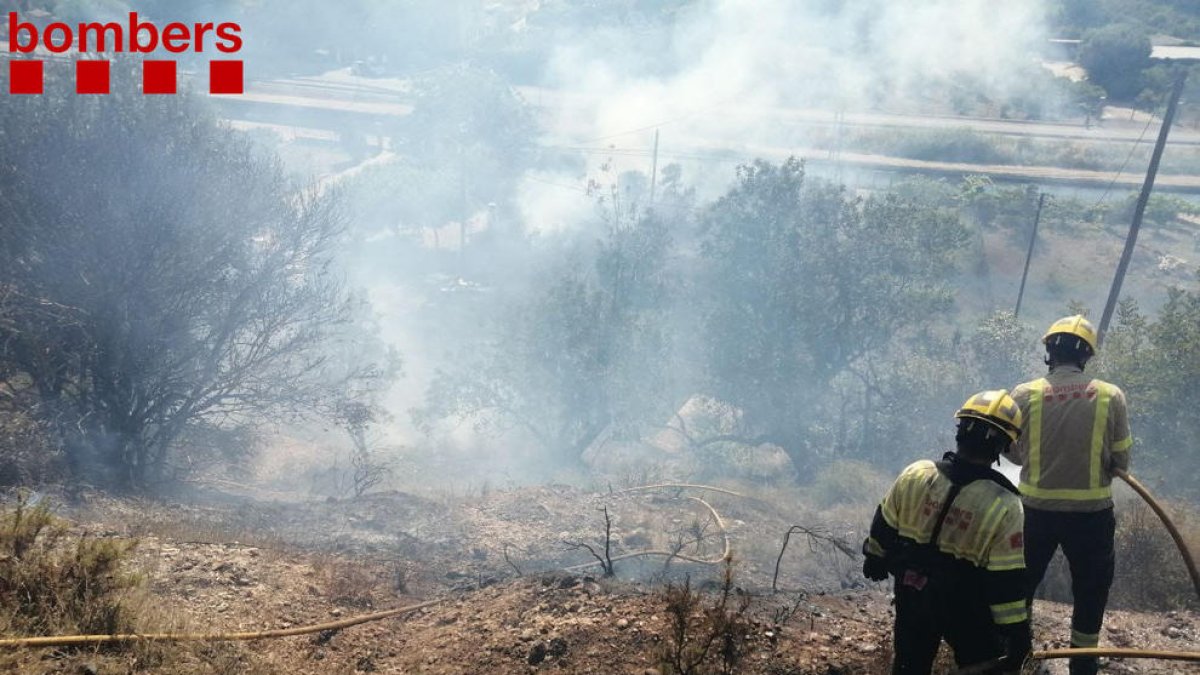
[(56, 581), (1151, 573), (359, 585), (51, 582), (201, 531)]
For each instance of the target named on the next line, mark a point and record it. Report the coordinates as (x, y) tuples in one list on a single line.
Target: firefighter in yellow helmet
[(951, 535), (1076, 432)]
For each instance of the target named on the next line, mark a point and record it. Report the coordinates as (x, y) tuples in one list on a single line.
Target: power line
[(1124, 164)]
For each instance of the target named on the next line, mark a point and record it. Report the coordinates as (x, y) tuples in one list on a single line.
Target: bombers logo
[(26, 75)]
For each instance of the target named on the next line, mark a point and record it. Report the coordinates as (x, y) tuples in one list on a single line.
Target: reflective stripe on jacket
[(1076, 432), (983, 527)]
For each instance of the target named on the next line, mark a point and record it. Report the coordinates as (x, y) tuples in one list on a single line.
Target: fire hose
[(67, 640), (71, 640), (1001, 665), (1166, 520), (993, 666)]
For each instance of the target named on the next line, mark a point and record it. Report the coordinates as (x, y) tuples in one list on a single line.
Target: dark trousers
[(1087, 543), (953, 609)]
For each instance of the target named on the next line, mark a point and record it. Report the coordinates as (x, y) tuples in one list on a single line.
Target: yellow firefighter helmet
[(996, 408), (1076, 326)]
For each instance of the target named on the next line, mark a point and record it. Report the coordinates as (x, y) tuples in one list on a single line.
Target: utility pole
[(1140, 209), (654, 168), (1029, 255), (464, 211)]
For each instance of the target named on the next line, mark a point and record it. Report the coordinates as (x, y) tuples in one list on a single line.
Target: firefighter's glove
[(1018, 644), (874, 568)]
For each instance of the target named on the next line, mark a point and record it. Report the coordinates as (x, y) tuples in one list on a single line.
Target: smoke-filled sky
[(719, 75), (747, 54), (736, 74)]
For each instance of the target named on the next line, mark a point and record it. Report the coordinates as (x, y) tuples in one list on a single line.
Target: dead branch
[(510, 562), (725, 555), (606, 562), (608, 541), (815, 537)]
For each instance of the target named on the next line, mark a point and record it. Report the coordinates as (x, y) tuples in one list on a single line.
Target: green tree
[(1073, 17), (1155, 361), (801, 282), (1115, 57), (197, 284), (587, 355), (1001, 350)]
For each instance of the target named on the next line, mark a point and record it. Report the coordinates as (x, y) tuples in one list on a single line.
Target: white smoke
[(732, 73)]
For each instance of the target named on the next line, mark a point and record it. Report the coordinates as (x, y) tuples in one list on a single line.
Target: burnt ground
[(510, 604)]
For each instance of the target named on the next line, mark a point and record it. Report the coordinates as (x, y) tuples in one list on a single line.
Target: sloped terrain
[(509, 605)]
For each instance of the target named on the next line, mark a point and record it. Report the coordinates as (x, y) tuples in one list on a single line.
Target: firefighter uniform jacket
[(1076, 432), (981, 532)]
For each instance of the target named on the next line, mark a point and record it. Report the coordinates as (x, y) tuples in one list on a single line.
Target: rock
[(336, 611), (557, 647), (622, 624), (537, 654)]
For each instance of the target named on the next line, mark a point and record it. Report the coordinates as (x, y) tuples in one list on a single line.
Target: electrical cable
[(1124, 164)]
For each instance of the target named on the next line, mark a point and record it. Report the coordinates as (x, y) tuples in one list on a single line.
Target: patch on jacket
[(914, 579)]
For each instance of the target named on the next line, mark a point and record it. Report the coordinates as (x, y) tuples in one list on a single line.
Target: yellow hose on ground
[(999, 666), (681, 485), (1114, 653), (67, 640), (1162, 515)]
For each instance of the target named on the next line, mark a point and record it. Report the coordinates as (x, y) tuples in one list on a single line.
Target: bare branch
[(816, 538)]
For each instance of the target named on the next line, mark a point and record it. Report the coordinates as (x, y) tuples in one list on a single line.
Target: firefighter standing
[(950, 533), (1076, 433)]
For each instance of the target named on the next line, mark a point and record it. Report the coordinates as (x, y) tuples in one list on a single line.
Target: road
[(344, 101)]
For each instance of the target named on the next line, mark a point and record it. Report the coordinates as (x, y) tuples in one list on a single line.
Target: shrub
[(955, 145), (51, 583), (27, 457), (351, 584), (1151, 574), (848, 482), (705, 638)]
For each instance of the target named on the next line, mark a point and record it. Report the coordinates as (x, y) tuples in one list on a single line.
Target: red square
[(225, 77), (24, 77), (158, 77), (91, 77)]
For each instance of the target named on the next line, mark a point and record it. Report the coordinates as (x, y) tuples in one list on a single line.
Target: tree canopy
[(191, 285), (1114, 57)]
